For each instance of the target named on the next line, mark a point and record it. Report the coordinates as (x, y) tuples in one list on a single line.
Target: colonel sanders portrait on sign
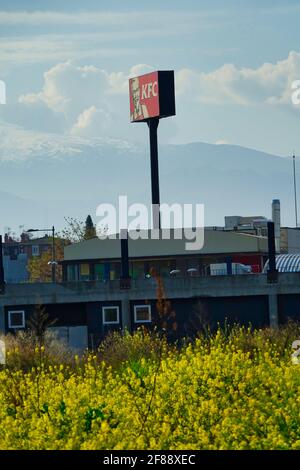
[(140, 110)]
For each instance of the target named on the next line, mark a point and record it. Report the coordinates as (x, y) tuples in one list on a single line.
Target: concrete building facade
[(86, 311)]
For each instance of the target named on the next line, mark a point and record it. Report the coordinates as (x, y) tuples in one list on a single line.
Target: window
[(115, 271), (99, 272), (35, 250), (84, 273), (110, 315), (142, 313), (72, 272), (138, 270), (16, 319)]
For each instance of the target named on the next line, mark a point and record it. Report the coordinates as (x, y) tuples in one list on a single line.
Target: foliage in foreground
[(229, 391)]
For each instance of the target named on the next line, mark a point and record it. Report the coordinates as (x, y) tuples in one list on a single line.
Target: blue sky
[(234, 63)]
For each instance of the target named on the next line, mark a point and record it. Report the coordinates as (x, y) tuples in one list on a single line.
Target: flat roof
[(215, 241)]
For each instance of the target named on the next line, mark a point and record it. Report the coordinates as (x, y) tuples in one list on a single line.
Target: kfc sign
[(152, 95)]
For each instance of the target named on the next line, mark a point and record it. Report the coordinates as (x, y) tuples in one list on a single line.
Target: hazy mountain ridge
[(228, 179)]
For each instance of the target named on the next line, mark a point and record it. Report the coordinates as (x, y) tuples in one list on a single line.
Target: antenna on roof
[(295, 188)]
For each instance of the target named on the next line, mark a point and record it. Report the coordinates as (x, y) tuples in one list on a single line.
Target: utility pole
[(2, 279), (295, 189), (53, 271)]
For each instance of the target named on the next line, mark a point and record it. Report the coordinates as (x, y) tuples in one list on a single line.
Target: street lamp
[(53, 262)]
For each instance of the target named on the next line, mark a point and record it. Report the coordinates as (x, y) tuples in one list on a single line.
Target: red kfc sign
[(152, 95)]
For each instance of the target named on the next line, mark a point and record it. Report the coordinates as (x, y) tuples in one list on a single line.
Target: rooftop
[(177, 243)]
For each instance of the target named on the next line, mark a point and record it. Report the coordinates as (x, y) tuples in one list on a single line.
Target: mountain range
[(44, 181)]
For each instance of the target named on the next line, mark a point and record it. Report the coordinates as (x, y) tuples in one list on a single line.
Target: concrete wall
[(201, 312), (293, 240), (243, 299), (288, 307), (95, 291), (96, 329), (71, 314)]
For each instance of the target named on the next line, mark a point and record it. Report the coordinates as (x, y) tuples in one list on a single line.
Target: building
[(92, 301), (86, 310), (100, 259), (290, 240), (287, 239), (17, 253), (15, 268)]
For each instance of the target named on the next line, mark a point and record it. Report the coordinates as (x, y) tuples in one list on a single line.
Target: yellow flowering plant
[(233, 390)]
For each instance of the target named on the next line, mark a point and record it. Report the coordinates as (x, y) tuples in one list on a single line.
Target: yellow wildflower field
[(204, 396)]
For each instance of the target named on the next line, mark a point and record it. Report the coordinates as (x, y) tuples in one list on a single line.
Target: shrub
[(24, 350), (118, 348)]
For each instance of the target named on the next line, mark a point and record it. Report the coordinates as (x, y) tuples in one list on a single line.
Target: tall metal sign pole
[(152, 97), (153, 125)]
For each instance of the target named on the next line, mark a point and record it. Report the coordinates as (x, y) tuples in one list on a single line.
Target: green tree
[(74, 230), (90, 230)]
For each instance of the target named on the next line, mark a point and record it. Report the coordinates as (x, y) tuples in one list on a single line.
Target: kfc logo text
[(149, 90)]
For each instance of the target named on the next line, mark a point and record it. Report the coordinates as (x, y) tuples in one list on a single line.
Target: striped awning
[(286, 263)]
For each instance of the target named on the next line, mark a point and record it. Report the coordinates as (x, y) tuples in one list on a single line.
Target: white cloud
[(71, 89), (91, 122), (161, 18), (87, 101), (94, 34), (56, 17), (50, 48), (267, 84), (140, 69), (89, 98)]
